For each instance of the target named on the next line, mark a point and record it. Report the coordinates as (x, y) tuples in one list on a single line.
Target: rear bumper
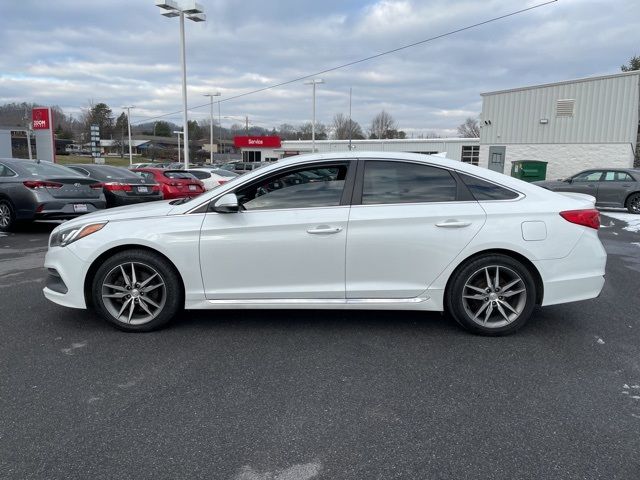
[(61, 210), (578, 276), (120, 201)]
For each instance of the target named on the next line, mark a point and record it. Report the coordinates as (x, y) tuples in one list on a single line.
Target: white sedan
[(361, 230), (212, 177)]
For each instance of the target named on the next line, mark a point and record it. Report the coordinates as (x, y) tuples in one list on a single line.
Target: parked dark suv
[(619, 187)]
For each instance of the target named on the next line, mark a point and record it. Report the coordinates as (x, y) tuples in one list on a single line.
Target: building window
[(471, 154), (251, 156)]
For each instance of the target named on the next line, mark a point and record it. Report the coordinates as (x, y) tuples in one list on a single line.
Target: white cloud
[(124, 52)]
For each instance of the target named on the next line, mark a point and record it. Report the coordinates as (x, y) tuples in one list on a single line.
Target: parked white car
[(212, 177), (337, 231)]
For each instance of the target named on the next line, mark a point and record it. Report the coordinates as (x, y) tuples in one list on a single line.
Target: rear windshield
[(46, 169), (180, 175), (107, 173), (224, 173)]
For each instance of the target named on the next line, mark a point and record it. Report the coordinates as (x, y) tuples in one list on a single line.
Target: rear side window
[(6, 171), (483, 190), (400, 182)]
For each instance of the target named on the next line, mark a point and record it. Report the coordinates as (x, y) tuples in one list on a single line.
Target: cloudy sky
[(71, 52)]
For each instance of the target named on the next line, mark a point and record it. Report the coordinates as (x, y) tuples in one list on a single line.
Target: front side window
[(401, 182), (588, 177), (303, 188)]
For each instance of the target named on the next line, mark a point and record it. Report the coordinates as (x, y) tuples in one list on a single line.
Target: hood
[(140, 210)]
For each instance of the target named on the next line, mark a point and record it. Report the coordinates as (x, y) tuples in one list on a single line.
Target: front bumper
[(72, 272)]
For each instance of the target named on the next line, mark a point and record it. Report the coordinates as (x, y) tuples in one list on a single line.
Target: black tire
[(469, 280), (7, 216), (169, 296), (633, 203)]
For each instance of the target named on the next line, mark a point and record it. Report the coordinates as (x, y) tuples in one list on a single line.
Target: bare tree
[(345, 128), (382, 125), (469, 129)]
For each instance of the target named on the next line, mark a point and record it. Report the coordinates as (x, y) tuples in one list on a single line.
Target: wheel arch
[(626, 199), (509, 253), (91, 272)]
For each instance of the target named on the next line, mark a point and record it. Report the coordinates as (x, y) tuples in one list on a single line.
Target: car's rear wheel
[(491, 295), (633, 203), (137, 291), (7, 216)]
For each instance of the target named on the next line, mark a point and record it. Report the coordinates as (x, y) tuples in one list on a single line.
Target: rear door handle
[(324, 229), (453, 224)]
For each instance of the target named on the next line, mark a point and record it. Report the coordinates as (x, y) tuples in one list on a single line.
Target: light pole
[(211, 95), (129, 107), (313, 83), (178, 132), (194, 12)]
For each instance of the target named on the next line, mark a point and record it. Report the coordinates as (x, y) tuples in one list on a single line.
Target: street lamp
[(194, 12), (178, 132), (129, 107), (313, 83), (211, 95)]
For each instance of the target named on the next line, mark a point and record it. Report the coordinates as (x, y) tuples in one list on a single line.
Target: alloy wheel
[(5, 215), (494, 296), (134, 293), (634, 204)]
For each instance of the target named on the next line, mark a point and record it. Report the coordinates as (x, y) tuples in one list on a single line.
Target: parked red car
[(174, 183)]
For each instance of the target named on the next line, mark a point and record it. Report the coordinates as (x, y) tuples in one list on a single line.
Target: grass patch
[(114, 161)]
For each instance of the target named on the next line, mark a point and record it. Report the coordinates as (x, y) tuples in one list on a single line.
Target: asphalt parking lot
[(265, 395)]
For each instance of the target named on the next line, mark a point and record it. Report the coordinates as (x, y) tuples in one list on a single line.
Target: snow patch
[(304, 471), (632, 221)]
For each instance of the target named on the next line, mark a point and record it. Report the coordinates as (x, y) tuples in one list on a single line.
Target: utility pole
[(313, 83), (211, 95), (129, 107), (246, 124), (350, 124)]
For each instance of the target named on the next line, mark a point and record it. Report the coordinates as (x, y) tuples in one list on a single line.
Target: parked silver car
[(612, 187), (34, 190)]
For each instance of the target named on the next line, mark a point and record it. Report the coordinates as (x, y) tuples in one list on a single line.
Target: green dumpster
[(529, 170)]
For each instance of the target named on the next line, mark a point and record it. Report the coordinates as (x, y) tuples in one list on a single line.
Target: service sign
[(40, 118), (257, 142)]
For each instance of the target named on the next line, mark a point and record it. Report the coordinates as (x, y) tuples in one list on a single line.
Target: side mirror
[(227, 203)]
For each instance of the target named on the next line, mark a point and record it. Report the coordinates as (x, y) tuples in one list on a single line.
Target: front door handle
[(324, 229), (453, 224)]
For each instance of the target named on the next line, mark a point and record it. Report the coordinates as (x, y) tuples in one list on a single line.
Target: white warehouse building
[(572, 125), (461, 149)]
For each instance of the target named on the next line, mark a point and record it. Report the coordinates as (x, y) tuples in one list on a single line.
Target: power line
[(365, 59)]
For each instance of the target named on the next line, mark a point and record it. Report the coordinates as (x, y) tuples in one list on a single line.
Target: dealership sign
[(257, 142), (40, 118)]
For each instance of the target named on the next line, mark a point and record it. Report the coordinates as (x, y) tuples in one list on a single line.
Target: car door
[(408, 221), (287, 242), (613, 188), (585, 182)]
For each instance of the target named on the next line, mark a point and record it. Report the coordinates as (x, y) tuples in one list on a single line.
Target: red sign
[(40, 117), (257, 142)]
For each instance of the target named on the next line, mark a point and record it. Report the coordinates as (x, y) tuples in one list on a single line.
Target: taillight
[(95, 186), (36, 184), (220, 182), (588, 218), (115, 186)]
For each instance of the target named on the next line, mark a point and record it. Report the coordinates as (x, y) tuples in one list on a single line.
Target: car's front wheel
[(491, 295), (137, 291), (633, 203)]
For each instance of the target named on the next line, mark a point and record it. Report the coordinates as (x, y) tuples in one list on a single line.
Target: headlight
[(65, 236)]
